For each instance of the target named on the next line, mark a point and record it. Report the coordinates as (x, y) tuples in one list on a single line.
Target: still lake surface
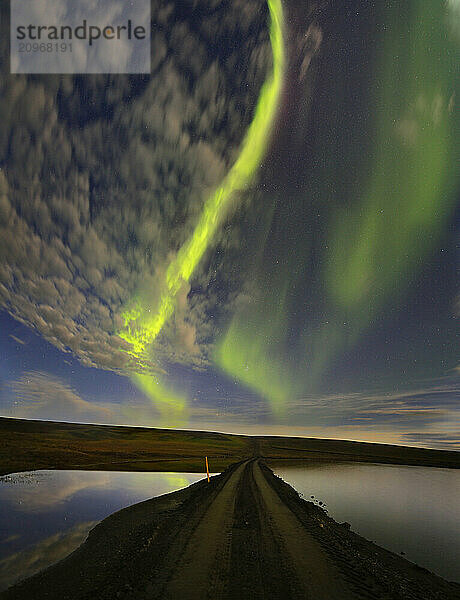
[(45, 515), (415, 510)]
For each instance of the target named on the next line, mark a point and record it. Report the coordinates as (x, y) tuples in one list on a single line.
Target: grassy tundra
[(27, 445)]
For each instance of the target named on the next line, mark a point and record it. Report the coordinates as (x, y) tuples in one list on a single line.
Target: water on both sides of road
[(45, 515)]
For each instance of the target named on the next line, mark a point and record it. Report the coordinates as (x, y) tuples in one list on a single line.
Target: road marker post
[(207, 468)]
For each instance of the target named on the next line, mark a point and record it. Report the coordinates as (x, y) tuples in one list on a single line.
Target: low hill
[(27, 445)]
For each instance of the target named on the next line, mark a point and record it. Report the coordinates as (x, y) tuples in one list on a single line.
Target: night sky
[(260, 237)]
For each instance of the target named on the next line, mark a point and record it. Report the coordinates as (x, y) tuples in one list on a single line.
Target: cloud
[(435, 402), (40, 395), (444, 441), (103, 178), (425, 416), (43, 396)]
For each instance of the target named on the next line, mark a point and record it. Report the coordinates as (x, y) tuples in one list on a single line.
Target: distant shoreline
[(27, 445)]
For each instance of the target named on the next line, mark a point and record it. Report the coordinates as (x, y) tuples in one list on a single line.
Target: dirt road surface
[(245, 535)]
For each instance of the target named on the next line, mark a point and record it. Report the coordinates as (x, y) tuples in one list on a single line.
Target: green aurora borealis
[(258, 236), (378, 241), (141, 325), (404, 193)]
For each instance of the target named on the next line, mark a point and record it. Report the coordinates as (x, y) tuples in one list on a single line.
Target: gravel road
[(245, 535)]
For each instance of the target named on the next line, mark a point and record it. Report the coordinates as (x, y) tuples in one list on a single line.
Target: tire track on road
[(315, 577), (202, 572)]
